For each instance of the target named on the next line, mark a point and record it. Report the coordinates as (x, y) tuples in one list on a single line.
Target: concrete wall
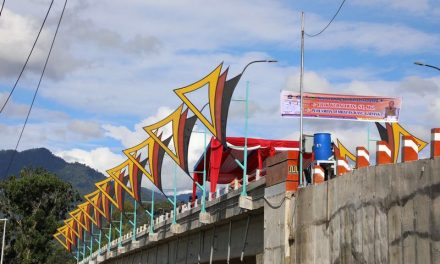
[(379, 214), (209, 243), (278, 218)]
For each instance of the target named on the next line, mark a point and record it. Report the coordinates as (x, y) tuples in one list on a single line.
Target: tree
[(34, 204)]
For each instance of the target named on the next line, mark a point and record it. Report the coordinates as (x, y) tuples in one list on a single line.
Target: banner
[(338, 106)]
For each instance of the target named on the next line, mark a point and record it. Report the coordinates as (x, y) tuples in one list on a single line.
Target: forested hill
[(81, 177)]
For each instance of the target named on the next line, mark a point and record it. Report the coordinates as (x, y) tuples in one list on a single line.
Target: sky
[(115, 64)]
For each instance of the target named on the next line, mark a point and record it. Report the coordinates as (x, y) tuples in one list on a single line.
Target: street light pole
[(301, 84), (244, 165), (426, 65), (256, 61), (4, 234)]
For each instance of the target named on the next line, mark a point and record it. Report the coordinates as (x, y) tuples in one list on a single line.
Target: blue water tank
[(322, 146)]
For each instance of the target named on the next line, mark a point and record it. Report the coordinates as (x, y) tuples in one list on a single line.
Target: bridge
[(224, 232), (387, 213)]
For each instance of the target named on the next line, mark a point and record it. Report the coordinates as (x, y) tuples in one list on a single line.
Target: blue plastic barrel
[(322, 146)]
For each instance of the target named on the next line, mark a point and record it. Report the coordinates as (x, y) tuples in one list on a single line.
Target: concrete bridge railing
[(224, 218)]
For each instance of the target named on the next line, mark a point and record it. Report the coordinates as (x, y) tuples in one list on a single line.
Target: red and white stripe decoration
[(362, 157), (435, 142), (318, 174), (342, 166), (410, 150), (383, 153)]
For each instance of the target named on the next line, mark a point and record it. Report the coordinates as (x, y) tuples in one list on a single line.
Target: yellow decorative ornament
[(131, 154), (174, 118), (344, 152), (211, 80)]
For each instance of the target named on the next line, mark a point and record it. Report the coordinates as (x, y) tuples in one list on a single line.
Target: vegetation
[(38, 200), (35, 203), (82, 177), (79, 175)]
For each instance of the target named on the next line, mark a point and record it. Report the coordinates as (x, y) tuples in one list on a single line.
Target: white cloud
[(417, 7), (108, 68), (433, 112), (130, 138), (241, 22), (19, 111), (21, 31), (53, 135), (86, 129), (12, 109), (313, 82), (419, 86), (372, 37), (101, 159), (352, 73), (179, 48)]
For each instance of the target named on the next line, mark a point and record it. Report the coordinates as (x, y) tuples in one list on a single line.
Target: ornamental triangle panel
[(182, 129), (64, 237), (210, 82), (80, 219), (220, 91), (394, 132), (99, 202), (343, 152), (172, 119), (123, 175), (74, 227), (147, 159), (86, 208), (112, 191)]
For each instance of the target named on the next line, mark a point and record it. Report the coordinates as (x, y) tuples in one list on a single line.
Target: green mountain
[(79, 175), (82, 177)]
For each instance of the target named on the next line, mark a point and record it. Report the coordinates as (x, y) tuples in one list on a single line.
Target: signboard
[(338, 106)]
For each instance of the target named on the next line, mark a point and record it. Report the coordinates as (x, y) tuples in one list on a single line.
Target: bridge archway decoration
[(146, 158)]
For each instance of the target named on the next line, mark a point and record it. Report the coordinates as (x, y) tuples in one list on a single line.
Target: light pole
[(3, 240), (244, 165), (426, 65), (256, 61), (301, 88)]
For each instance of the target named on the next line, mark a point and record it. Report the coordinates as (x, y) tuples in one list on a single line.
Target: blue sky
[(115, 64)]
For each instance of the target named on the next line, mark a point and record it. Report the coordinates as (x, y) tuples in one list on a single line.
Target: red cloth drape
[(215, 161), (221, 166)]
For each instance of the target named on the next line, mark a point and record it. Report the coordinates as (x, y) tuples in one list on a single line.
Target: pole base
[(137, 243), (110, 254), (176, 229), (246, 202), (100, 258), (122, 250), (206, 218), (153, 237)]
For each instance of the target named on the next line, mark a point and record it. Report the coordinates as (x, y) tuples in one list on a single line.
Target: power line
[(27, 59), (38, 87), (3, 5), (333, 18)]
